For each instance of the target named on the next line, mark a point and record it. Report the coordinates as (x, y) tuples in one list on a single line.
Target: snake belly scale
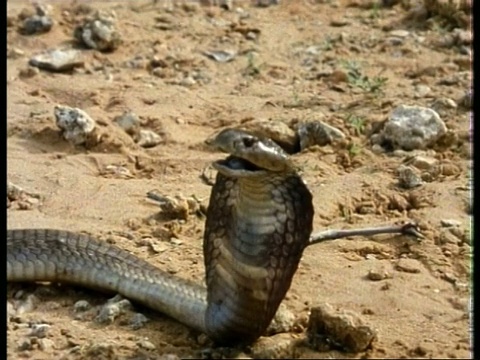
[(259, 221)]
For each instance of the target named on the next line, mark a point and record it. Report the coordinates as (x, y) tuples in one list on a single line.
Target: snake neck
[(253, 245)]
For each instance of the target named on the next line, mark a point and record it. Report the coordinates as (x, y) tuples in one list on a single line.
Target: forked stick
[(409, 228)]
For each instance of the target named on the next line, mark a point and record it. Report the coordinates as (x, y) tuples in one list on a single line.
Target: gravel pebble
[(450, 222), (76, 125), (45, 344), (282, 322), (317, 133), (39, 330), (99, 32), (11, 312), (411, 266), (378, 273), (128, 121), (423, 162), (24, 344), (57, 60), (411, 127), (27, 305), (138, 321), (408, 178), (148, 139), (344, 328), (112, 309), (145, 344), (81, 305)]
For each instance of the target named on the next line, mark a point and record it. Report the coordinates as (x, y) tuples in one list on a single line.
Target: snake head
[(249, 154)]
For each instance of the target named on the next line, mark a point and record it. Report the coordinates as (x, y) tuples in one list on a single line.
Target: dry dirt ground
[(292, 64)]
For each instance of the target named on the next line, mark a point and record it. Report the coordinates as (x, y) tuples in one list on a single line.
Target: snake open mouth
[(236, 163), (236, 166)]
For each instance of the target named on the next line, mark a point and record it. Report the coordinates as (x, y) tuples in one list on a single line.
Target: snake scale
[(259, 221)]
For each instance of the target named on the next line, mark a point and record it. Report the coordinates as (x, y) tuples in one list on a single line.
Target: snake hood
[(249, 154)]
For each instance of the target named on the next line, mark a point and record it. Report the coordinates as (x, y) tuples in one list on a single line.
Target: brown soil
[(421, 309)]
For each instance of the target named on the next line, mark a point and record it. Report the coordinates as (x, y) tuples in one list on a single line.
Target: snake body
[(259, 220)]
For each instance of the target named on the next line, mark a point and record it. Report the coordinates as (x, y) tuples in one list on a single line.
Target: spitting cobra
[(259, 220)]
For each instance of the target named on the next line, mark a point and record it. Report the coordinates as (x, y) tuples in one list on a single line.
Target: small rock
[(57, 60), (464, 62), (459, 303), (337, 76), (202, 339), (176, 207), (76, 125), (145, 344), (377, 148), (45, 344), (81, 306), (339, 22), (463, 37), (26, 13), (423, 162), (15, 53), (317, 133), (221, 55), (450, 222), (37, 22), (99, 351), (412, 127), (399, 33), (116, 172), (24, 345), (280, 346), (148, 138), (165, 22), (342, 328), (466, 100), (113, 308), (378, 273), (408, 178), (449, 277), (27, 305), (168, 357), (408, 265), (128, 121), (394, 41), (99, 32), (176, 241), (444, 104), (138, 321), (266, 3), (39, 330), (421, 91), (11, 312), (282, 322), (156, 247), (187, 81), (421, 350), (28, 72), (36, 25)]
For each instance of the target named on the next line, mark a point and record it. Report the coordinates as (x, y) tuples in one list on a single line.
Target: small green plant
[(296, 97), (356, 79), (252, 68), (327, 44), (375, 11), (357, 122), (354, 150)]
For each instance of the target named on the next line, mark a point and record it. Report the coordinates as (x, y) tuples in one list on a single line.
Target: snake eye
[(248, 141)]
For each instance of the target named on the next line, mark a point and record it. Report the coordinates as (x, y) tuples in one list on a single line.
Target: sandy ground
[(290, 65)]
